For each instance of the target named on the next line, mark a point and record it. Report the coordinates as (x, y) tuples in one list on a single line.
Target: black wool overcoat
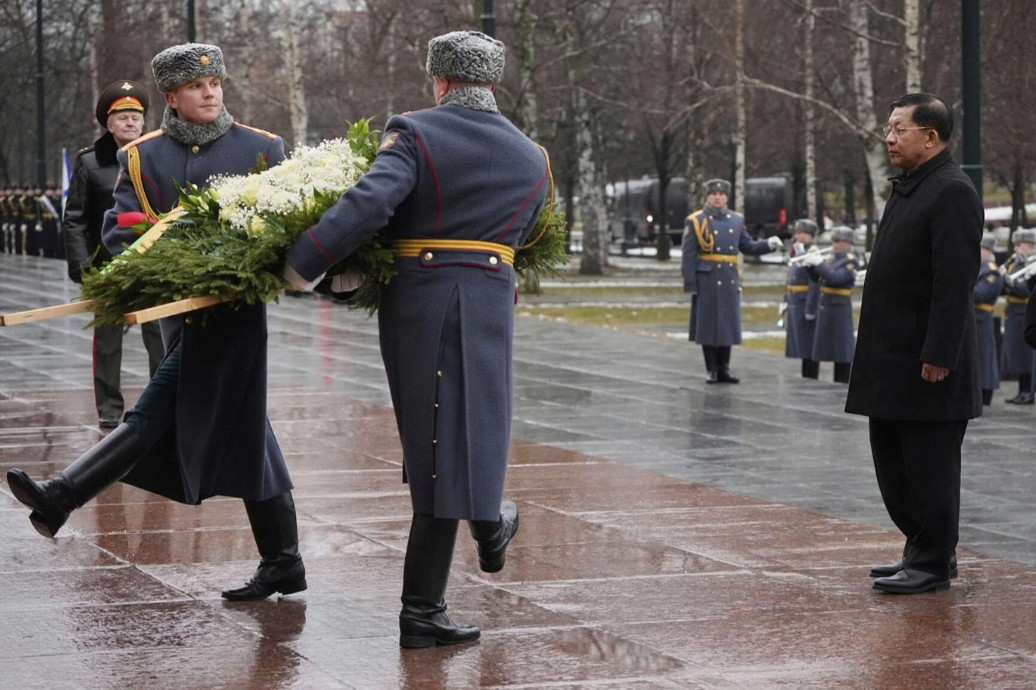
[(917, 301)]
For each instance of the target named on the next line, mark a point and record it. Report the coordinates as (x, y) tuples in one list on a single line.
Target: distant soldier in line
[(5, 219), (50, 220), (833, 340), (22, 215), (987, 289), (1017, 359), (802, 298), (120, 109), (712, 239)]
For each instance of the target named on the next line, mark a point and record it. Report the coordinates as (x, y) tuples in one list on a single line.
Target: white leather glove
[(774, 242), (297, 281), (346, 282), (812, 259)]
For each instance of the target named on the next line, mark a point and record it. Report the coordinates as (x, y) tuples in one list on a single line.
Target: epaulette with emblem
[(850, 256), (990, 278), (258, 131), (144, 137), (992, 265), (86, 149)]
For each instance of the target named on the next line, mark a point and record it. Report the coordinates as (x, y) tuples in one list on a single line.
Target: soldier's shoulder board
[(992, 265), (990, 278), (150, 136), (850, 256), (270, 135)]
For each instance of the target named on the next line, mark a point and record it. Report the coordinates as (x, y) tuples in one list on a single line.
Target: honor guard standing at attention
[(987, 289), (712, 239), (457, 188), (802, 298), (120, 110), (1018, 359), (833, 339), (199, 428)]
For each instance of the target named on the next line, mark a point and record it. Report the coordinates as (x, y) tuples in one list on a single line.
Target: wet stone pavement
[(674, 535)]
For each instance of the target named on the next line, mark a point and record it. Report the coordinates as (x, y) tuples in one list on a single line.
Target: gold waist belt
[(798, 288), (414, 248), (719, 257), (983, 307), (845, 292), (1017, 300)]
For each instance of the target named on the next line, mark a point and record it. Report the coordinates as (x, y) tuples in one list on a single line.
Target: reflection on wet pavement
[(666, 560)]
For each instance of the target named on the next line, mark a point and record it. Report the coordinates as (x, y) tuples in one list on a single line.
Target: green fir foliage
[(199, 255)]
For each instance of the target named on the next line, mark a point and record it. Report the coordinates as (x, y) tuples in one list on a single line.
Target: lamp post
[(41, 130), (488, 18), (190, 22), (971, 125)]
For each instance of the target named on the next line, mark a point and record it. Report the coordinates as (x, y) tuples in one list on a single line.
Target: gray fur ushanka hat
[(466, 56), (185, 62), (842, 233)]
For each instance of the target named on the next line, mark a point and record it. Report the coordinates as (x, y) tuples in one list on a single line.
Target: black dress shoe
[(1023, 398), (428, 626), (712, 378), (909, 581), (107, 423), (893, 568)]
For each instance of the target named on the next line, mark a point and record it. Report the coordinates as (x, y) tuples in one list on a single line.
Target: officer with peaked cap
[(1017, 359), (987, 289), (712, 239), (199, 428), (836, 274), (120, 109), (802, 298), (457, 188)]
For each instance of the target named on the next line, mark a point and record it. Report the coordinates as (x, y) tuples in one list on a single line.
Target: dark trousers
[(918, 470), (155, 412), (107, 361)]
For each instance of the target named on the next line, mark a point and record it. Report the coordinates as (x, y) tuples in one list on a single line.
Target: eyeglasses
[(898, 131)]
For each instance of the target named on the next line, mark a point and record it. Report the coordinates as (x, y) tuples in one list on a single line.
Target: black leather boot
[(492, 537), (723, 374), (810, 369), (98, 468), (709, 353), (423, 621), (276, 535)]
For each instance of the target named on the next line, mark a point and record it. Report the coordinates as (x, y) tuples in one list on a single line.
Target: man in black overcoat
[(915, 372), (120, 109)]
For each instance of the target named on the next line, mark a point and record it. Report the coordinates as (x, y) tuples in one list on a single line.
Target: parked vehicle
[(634, 211), (769, 206)]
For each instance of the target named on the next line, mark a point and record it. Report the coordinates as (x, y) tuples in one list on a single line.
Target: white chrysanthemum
[(330, 168)]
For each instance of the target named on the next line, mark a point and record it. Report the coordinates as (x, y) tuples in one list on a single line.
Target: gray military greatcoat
[(444, 174), (222, 443), (711, 274)]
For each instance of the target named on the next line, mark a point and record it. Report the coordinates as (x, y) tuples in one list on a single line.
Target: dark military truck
[(769, 206), (634, 212)]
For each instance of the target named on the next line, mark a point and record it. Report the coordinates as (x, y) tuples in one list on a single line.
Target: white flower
[(330, 168)]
